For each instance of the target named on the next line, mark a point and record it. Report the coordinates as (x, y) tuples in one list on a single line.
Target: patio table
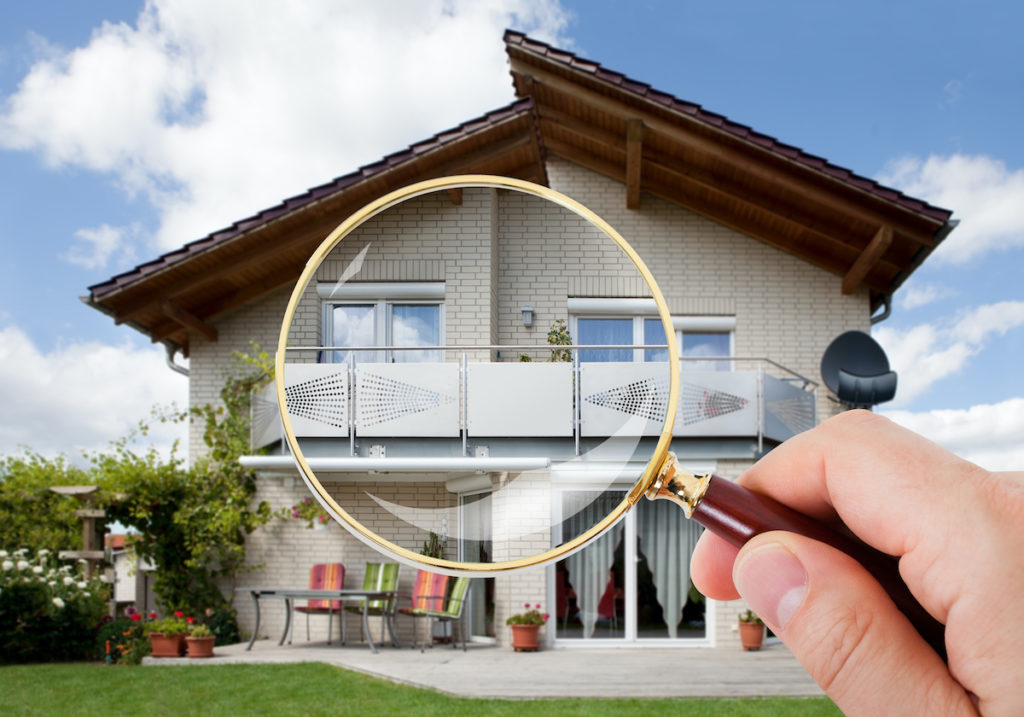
[(288, 595)]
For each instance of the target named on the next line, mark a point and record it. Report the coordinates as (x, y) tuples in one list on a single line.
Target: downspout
[(941, 234), (171, 350), (886, 310)]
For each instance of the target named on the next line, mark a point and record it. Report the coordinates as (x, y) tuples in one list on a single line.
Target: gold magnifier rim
[(459, 182)]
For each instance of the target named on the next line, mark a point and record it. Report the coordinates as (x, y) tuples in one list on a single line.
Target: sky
[(129, 128)]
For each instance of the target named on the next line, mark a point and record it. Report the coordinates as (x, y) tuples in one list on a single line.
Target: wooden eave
[(181, 293), (870, 235)]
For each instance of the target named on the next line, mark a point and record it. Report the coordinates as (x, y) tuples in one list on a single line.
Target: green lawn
[(310, 689)]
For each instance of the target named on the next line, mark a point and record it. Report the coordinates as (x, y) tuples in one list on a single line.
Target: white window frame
[(642, 309), (382, 296)]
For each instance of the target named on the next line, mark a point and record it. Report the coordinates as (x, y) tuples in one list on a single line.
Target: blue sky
[(128, 129)]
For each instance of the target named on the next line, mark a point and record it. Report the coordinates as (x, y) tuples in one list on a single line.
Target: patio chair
[(454, 610), (428, 595), (380, 577), (323, 576)]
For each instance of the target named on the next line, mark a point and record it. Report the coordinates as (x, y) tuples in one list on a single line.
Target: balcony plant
[(311, 512), (200, 641), (167, 635), (526, 628), (751, 630)]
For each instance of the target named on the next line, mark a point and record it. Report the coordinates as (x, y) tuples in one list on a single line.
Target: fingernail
[(773, 582)]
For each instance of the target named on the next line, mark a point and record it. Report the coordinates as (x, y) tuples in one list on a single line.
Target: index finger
[(893, 488)]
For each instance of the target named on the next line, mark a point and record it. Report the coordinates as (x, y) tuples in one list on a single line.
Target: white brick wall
[(785, 309)]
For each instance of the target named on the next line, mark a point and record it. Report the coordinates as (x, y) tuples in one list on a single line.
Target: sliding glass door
[(633, 584)]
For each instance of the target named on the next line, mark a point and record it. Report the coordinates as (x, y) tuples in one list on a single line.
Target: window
[(396, 316), (632, 322)]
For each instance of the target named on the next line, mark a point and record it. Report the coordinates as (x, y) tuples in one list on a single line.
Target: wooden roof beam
[(455, 195), (748, 227), (190, 321), (634, 161), (868, 258), (695, 135)]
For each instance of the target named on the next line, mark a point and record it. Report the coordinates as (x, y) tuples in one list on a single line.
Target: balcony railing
[(467, 399)]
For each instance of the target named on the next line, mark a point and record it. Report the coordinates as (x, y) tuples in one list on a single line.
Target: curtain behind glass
[(667, 539), (590, 568)]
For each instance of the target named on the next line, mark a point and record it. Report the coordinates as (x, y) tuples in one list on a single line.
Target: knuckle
[(842, 644)]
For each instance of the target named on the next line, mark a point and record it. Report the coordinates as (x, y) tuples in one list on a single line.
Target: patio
[(489, 671)]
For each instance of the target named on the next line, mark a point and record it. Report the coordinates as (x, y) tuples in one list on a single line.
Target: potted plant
[(311, 512), (167, 635), (200, 641), (526, 628), (751, 630)]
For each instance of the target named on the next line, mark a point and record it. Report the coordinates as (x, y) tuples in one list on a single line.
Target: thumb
[(844, 629)]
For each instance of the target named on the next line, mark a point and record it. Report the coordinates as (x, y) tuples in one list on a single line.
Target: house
[(764, 253)]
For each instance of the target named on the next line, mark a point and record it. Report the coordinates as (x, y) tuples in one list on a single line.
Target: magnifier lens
[(430, 383)]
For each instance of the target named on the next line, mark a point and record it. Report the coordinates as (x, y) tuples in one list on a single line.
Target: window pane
[(605, 331), (353, 325), (706, 344), (416, 325), (654, 333)]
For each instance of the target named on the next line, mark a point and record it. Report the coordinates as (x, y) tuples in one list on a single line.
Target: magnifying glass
[(487, 360)]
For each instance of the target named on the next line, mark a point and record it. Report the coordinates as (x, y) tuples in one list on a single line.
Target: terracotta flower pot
[(525, 638), (751, 635), (167, 645), (200, 646)]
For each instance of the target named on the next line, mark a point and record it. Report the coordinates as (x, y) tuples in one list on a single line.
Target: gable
[(577, 110)]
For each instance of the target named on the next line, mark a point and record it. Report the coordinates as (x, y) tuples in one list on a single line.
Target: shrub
[(47, 612), (223, 623)]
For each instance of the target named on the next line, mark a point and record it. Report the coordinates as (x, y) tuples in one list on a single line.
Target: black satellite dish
[(856, 370)]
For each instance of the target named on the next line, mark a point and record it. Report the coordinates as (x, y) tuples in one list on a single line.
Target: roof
[(181, 290), (578, 110)]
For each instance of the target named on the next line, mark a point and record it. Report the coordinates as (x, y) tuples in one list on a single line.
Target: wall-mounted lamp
[(527, 315)]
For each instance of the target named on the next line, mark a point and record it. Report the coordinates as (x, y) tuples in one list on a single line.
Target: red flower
[(152, 616), (526, 605), (136, 616), (545, 616), (537, 606), (179, 614), (190, 620)]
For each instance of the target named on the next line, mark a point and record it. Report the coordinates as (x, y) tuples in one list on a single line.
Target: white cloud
[(989, 435), (211, 111), (96, 246), (986, 196), (927, 353), (914, 295), (81, 396)]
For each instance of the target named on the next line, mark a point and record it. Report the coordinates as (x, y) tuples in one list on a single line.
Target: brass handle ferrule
[(679, 485)]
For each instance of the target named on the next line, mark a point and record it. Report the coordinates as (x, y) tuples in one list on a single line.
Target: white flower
[(22, 564), (69, 581), (3, 553), (43, 553), (7, 565), (52, 583), (21, 552), (38, 570), (86, 593), (59, 603), (83, 585)]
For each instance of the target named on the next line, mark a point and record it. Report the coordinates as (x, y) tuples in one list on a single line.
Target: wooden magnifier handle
[(737, 514)]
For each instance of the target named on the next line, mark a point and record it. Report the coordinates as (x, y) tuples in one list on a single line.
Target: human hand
[(958, 532)]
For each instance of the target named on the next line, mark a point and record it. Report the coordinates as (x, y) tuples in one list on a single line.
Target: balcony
[(449, 409)]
